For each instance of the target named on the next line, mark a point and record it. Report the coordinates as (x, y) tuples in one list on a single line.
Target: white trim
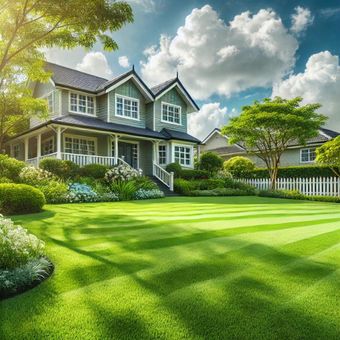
[(191, 165), (129, 98), (108, 107), (183, 93), (60, 102), (166, 153), (125, 79), (309, 149), (180, 113), (216, 130), (154, 116), (82, 94), (94, 139)]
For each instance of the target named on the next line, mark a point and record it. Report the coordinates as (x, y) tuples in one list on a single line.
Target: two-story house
[(95, 120)]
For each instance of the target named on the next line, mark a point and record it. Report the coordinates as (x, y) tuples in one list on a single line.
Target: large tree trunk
[(273, 179)]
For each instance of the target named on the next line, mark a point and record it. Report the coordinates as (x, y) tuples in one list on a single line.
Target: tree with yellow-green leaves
[(27, 27)]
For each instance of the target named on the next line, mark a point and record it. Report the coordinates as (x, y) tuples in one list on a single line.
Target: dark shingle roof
[(160, 87), (330, 133), (64, 76), (172, 134)]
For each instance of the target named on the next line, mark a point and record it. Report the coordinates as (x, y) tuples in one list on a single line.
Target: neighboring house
[(294, 155), (95, 120)]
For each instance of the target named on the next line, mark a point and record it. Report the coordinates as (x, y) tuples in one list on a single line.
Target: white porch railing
[(323, 186), (82, 160), (33, 162), (164, 176)]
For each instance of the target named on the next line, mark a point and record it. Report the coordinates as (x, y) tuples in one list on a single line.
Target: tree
[(211, 162), (239, 166), (29, 26), (267, 128), (329, 154)]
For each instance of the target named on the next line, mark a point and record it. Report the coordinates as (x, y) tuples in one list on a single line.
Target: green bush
[(183, 186), (208, 184), (60, 168), (17, 246), (295, 172), (211, 162), (175, 168), (145, 183), (222, 192), (96, 171), (20, 199), (5, 180), (35, 176), (239, 167), (10, 167), (194, 174), (233, 184), (54, 192), (125, 190)]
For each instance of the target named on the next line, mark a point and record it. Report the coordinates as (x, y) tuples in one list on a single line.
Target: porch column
[(116, 150), (198, 152), (38, 148), (26, 149), (58, 142), (157, 152)]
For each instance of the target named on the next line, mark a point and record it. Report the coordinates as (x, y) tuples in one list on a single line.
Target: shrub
[(81, 193), (233, 184), (121, 173), (96, 171), (208, 184), (223, 174), (10, 167), (194, 174), (145, 183), (17, 246), (222, 192), (142, 194), (60, 168), (108, 197), (211, 162), (125, 190), (35, 176), (20, 199), (175, 168), (239, 166), (19, 279), (183, 186), (55, 192), (5, 180)]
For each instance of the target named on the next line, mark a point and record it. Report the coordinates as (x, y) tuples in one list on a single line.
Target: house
[(95, 120), (295, 155)]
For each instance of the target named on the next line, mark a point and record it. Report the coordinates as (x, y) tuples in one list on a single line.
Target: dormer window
[(127, 107), (171, 114), (80, 103)]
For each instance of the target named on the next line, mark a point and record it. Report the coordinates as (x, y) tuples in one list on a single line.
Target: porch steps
[(163, 187)]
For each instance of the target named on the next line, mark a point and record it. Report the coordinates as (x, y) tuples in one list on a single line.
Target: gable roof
[(68, 77), (172, 134)]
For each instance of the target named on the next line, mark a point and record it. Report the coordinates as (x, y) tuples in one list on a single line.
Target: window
[(47, 146), (171, 114), (50, 101), (127, 107), (16, 151), (183, 155), (80, 103), (80, 145), (162, 154), (307, 155)]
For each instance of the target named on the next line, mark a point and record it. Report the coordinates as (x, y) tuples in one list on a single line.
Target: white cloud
[(301, 19), (210, 116), (319, 83), (95, 63), (124, 61), (215, 58), (146, 5), (330, 12)]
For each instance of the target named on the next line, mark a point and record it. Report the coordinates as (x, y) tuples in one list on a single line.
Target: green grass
[(217, 268)]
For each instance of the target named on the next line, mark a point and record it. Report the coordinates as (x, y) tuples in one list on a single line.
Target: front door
[(129, 153)]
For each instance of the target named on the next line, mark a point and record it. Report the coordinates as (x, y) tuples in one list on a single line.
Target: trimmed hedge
[(175, 168), (295, 172), (194, 174), (60, 168), (10, 168), (222, 192), (20, 199), (96, 171)]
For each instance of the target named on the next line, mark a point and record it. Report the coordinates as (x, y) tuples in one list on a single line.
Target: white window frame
[(166, 154), (46, 140), (129, 98), (309, 153), (45, 96), (173, 105), (191, 147), (94, 114), (81, 137)]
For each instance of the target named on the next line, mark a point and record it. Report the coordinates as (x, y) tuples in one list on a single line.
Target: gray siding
[(171, 97), (128, 89), (145, 157), (101, 103)]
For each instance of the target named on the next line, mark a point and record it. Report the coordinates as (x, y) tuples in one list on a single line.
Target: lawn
[(217, 268)]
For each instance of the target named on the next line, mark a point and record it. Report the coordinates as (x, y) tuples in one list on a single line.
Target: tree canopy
[(267, 128), (329, 154)]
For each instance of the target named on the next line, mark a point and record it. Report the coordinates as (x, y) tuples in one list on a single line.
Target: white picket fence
[(324, 186)]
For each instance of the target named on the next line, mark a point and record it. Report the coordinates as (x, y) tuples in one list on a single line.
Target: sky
[(227, 53)]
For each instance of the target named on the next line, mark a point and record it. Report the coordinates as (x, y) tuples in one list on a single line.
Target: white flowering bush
[(81, 193), (121, 172), (17, 246), (143, 194), (36, 176)]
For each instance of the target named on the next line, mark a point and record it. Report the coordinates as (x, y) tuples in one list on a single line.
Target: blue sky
[(235, 68)]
